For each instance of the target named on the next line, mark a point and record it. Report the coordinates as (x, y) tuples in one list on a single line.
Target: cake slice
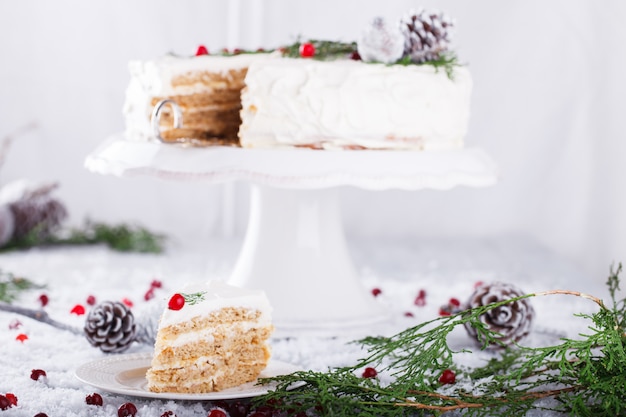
[(210, 337)]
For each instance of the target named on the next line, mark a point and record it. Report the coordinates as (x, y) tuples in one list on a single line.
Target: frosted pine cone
[(111, 327), (511, 321), (33, 208), (381, 43), (426, 35)]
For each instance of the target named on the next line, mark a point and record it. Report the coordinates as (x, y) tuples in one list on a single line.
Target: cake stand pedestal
[(295, 249)]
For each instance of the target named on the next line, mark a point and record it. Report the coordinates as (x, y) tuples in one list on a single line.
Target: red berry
[(149, 295), (307, 50), (237, 51), (376, 292), (94, 399), (420, 300), (447, 377), (21, 337), (409, 314), (239, 409), (41, 415), (127, 302), (168, 413), (478, 284), (126, 410), (35, 374), (12, 399), (455, 302), (78, 309), (43, 299), (5, 403), (217, 412), (444, 312), (176, 302), (156, 284), (369, 373), (91, 300), (355, 56), (15, 324), (202, 50)]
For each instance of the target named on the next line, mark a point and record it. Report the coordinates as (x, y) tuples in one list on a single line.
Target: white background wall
[(548, 106)]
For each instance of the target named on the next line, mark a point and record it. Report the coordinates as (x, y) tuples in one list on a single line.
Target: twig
[(39, 315)]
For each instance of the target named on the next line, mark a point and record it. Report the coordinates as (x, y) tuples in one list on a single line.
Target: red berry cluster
[(453, 307)]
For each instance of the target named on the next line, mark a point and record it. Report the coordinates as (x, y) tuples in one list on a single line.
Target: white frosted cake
[(211, 337), (354, 105)]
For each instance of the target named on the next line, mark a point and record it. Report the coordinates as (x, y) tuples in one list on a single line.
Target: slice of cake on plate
[(211, 337)]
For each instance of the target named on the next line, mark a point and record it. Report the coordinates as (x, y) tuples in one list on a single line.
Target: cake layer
[(351, 104), (207, 84)]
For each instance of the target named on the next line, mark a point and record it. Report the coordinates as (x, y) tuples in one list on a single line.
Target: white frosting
[(290, 102), (218, 295)]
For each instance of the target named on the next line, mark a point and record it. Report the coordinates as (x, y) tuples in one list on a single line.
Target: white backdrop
[(547, 106)]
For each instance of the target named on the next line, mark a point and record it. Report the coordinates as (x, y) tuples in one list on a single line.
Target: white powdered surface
[(443, 268)]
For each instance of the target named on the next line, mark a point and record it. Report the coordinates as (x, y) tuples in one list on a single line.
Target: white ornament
[(381, 43)]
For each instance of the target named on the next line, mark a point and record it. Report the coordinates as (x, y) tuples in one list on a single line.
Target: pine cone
[(381, 43), (36, 211), (511, 321), (426, 35), (111, 327)]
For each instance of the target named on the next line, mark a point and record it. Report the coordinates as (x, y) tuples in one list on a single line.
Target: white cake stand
[(295, 248)]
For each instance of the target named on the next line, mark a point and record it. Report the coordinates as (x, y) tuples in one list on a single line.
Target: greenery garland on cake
[(582, 377)]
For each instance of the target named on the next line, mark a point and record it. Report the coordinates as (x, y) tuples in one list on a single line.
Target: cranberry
[(168, 413), (5, 403), (156, 284), (35, 374), (238, 409), (454, 302), (126, 410), (376, 292), (12, 399), (43, 299), (21, 337), (262, 411), (41, 415), (15, 324), (369, 373), (420, 300), (409, 314), (217, 412), (94, 399), (447, 377), (307, 50), (202, 50), (78, 309), (149, 295), (127, 301), (91, 300), (176, 302)]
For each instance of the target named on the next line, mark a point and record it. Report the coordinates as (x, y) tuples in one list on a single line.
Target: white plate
[(126, 374)]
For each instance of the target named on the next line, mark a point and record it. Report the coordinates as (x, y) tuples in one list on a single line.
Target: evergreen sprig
[(11, 286), (580, 377), (121, 237)]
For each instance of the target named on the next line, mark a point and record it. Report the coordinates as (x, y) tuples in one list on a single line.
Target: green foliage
[(580, 377), (11, 286), (123, 238)]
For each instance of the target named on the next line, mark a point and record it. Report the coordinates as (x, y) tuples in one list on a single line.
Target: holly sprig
[(581, 377)]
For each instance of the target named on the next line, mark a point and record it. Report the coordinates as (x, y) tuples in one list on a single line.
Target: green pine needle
[(11, 286), (122, 237), (580, 377)]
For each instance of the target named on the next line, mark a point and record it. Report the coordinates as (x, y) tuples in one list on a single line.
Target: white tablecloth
[(443, 268)]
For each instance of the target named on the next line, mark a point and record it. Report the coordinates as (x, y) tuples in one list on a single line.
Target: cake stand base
[(295, 250)]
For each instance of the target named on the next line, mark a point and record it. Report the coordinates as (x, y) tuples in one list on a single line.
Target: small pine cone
[(111, 327), (37, 211), (426, 35), (511, 321)]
